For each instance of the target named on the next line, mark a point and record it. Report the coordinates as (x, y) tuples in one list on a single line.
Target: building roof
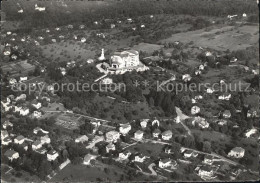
[(139, 132), (10, 153), (238, 149), (52, 152), (36, 143), (208, 157), (166, 160), (157, 131), (206, 168), (188, 152), (88, 157), (167, 133), (20, 137)]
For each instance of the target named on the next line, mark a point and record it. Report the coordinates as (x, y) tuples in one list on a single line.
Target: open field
[(22, 67), (219, 38)]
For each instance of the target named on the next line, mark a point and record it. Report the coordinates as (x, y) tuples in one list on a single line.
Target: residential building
[(165, 163), (186, 77), (36, 145), (88, 158), (124, 129), (112, 136), (195, 110), (139, 135), (226, 114), (37, 114), (81, 139), (125, 59), (140, 158), (156, 133), (206, 171), (36, 104), (251, 132), (6, 124), (6, 141), (107, 81), (4, 134), (208, 159), (167, 135), (188, 153), (124, 155), (45, 139), (144, 122), (24, 146), (168, 149), (19, 140), (110, 147), (52, 155), (37, 129), (11, 154), (237, 152), (201, 122), (156, 121)]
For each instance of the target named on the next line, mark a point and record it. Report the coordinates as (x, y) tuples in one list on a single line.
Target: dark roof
[(9, 152)]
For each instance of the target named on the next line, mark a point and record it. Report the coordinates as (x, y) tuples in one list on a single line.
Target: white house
[(251, 113), (244, 15), (186, 77), (6, 124), (124, 155), (225, 96), (4, 134), (198, 72), (24, 111), (83, 40), (124, 129), (107, 81), (110, 147), (237, 152), (233, 59), (21, 97), (167, 135), (11, 154), (37, 8), (206, 171), (52, 155), (156, 133), (177, 119), (164, 163), (36, 145), (112, 136), (12, 81), (36, 104), (139, 135), (6, 141), (81, 139), (208, 160), (37, 129), (37, 114), (195, 110), (201, 67), (156, 121), (140, 158), (144, 122), (88, 158), (24, 146), (45, 139), (226, 114), (187, 153), (125, 59), (208, 53), (209, 90), (200, 121), (19, 140), (250, 132)]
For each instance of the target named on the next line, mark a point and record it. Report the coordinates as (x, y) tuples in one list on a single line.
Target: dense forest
[(88, 12)]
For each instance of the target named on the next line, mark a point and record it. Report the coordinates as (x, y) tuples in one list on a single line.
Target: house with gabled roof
[(19, 139), (11, 154)]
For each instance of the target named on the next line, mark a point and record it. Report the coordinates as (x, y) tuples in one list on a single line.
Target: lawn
[(148, 149)]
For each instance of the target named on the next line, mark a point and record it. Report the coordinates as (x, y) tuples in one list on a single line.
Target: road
[(182, 118)]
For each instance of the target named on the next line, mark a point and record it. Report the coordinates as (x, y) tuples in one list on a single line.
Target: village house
[(225, 96), (177, 119), (21, 97), (37, 129), (186, 77), (4, 134), (205, 171), (251, 132), (45, 139), (125, 59), (7, 51), (139, 135), (6, 124), (6, 141), (252, 113), (237, 152), (124, 129), (41, 150), (209, 90), (110, 147), (24, 146), (88, 158), (188, 153), (198, 72), (221, 122), (233, 59), (11, 154), (19, 140), (201, 67), (23, 79), (144, 122), (24, 111), (167, 135), (36, 104), (37, 114), (226, 114), (140, 158), (168, 149), (107, 81), (156, 133), (36, 145), (52, 155), (112, 136), (12, 81), (124, 155), (195, 110), (156, 121), (165, 163), (81, 139), (208, 159), (201, 122)]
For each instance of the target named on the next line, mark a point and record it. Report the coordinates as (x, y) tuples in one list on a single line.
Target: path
[(105, 75), (182, 118)]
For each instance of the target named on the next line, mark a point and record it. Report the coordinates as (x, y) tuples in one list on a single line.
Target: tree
[(206, 146)]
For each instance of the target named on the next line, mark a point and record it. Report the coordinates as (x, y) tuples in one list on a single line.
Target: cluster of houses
[(37, 145)]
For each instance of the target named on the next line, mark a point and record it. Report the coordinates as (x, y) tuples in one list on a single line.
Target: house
[(177, 119), (201, 122), (36, 104), (39, 8), (45, 139), (208, 159), (168, 149), (194, 154), (37, 129), (233, 59), (225, 96), (12, 81), (11, 154), (195, 110), (36, 145), (250, 132), (41, 150), (206, 171), (6, 124), (227, 114), (167, 135), (7, 51), (112, 26), (81, 139), (88, 158), (21, 97), (208, 53), (124, 155), (198, 72), (4, 134), (112, 136), (186, 77), (107, 81), (244, 15), (140, 158), (6, 141), (156, 133), (124, 129), (209, 90), (19, 140), (188, 153), (201, 67), (110, 147), (139, 135), (125, 59), (144, 122), (52, 155), (237, 152), (164, 163), (156, 121), (37, 114), (23, 79), (252, 113), (83, 40), (24, 111), (221, 122), (24, 146)]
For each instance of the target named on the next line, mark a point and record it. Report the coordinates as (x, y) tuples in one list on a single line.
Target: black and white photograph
[(129, 91)]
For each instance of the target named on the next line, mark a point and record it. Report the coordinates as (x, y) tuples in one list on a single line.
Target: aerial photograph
[(129, 91)]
